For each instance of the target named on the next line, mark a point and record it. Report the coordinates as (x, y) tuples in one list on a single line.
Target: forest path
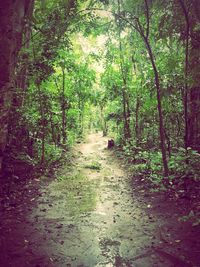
[(90, 216)]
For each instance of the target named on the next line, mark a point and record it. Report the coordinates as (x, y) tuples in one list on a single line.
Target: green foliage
[(93, 165), (52, 154), (184, 163), (149, 163), (194, 218), (145, 162), (81, 70)]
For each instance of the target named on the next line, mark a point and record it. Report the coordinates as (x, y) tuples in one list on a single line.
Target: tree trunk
[(159, 107), (103, 122), (80, 115), (194, 74), (12, 14), (43, 123), (194, 119), (185, 94), (22, 68), (144, 33), (52, 125), (64, 136), (43, 145), (137, 120), (185, 100), (126, 121), (126, 110)]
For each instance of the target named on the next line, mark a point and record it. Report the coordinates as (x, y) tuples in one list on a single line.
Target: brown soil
[(96, 214)]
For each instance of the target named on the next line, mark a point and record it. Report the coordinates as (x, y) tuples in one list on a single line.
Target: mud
[(91, 216)]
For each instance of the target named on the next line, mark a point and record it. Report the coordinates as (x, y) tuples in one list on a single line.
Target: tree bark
[(103, 121), (126, 110), (64, 136), (192, 70), (194, 74), (194, 119), (12, 14), (185, 95), (137, 120), (159, 107), (144, 33)]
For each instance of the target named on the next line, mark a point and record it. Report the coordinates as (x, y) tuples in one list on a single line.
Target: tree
[(12, 18), (144, 32)]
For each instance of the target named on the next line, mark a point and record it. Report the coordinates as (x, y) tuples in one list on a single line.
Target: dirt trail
[(90, 217)]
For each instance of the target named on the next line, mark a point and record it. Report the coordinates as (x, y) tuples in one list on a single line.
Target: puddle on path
[(89, 217)]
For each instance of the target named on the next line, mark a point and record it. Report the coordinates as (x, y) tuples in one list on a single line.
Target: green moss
[(77, 192)]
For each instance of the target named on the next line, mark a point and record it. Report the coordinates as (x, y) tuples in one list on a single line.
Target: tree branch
[(148, 18)]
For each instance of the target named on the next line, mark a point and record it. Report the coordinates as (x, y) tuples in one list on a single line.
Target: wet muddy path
[(90, 217)]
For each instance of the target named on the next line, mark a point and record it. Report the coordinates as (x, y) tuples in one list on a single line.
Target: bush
[(184, 163)]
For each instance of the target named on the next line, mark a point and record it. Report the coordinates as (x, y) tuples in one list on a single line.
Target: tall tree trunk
[(186, 85), (194, 119), (191, 98), (43, 145), (80, 115), (43, 123), (194, 74), (22, 68), (12, 14), (137, 120), (64, 136), (103, 122), (126, 110), (185, 94), (144, 33), (159, 107)]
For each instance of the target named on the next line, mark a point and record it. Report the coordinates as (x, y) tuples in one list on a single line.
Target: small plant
[(71, 177), (93, 165), (194, 218), (183, 163)]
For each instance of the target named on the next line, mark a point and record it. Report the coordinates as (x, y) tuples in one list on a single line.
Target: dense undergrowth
[(21, 172), (183, 181)]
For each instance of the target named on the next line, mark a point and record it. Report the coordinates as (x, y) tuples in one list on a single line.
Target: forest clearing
[(99, 133)]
